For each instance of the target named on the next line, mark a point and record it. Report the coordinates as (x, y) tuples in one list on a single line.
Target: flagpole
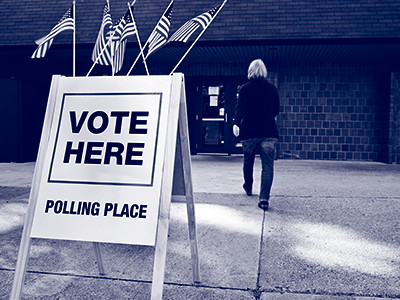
[(112, 49), (74, 41), (137, 58), (134, 63), (137, 36), (112, 57), (190, 48)]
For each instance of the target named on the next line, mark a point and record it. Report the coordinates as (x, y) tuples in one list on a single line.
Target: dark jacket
[(257, 106)]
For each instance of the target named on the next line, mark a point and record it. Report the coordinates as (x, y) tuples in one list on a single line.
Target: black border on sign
[(104, 183)]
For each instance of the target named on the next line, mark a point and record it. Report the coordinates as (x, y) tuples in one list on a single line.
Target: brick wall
[(329, 110), (394, 126), (333, 111)]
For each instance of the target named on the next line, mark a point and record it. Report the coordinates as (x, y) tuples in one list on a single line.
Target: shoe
[(263, 204), (248, 192)]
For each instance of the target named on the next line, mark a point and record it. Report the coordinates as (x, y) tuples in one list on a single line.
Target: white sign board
[(103, 165)]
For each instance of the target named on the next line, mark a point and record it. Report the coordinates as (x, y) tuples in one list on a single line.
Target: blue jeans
[(267, 153)]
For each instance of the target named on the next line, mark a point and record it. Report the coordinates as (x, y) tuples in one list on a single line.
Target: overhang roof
[(242, 51), (288, 50)]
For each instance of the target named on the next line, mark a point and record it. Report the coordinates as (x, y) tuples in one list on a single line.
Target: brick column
[(394, 121)]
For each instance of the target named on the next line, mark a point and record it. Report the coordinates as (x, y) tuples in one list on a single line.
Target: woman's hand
[(236, 130)]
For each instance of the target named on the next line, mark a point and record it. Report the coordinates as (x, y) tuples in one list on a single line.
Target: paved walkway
[(332, 233)]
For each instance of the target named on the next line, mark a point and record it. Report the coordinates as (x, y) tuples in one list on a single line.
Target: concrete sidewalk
[(332, 233)]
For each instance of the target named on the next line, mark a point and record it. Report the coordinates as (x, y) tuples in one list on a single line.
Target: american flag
[(159, 35), (102, 50), (66, 23), (122, 30), (186, 30)]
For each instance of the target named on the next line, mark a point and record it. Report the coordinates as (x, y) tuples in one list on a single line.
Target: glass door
[(215, 111), (211, 118)]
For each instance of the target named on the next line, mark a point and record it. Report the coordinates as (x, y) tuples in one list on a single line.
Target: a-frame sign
[(113, 154)]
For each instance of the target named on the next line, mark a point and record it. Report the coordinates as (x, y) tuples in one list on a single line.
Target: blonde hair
[(257, 70)]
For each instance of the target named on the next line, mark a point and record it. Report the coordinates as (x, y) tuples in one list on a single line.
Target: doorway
[(215, 110)]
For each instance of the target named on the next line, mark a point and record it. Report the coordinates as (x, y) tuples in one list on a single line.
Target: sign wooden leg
[(99, 258), (166, 192), (187, 176), (25, 245), (19, 276)]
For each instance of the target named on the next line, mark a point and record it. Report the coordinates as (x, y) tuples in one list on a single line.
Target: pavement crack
[(257, 292)]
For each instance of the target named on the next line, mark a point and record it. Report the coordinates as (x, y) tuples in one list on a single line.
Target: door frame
[(230, 83)]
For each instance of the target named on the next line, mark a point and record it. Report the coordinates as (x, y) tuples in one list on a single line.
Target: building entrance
[(215, 109)]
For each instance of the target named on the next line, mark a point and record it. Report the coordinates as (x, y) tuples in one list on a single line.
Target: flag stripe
[(160, 34), (157, 42), (163, 26), (45, 44), (186, 30), (184, 33), (66, 23), (119, 56), (41, 51), (130, 29), (204, 19)]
